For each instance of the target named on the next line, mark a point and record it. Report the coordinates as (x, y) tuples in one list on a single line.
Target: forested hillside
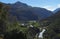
[(53, 29)]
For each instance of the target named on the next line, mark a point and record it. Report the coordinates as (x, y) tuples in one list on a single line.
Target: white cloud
[(51, 8), (58, 5)]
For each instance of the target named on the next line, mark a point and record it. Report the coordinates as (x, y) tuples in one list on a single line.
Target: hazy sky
[(48, 4)]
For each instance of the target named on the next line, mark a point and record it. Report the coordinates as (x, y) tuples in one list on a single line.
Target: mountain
[(53, 23), (55, 11), (56, 15), (55, 18), (25, 12)]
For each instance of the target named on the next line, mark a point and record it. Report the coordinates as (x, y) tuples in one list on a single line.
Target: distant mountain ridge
[(53, 25), (25, 12), (55, 11), (52, 19)]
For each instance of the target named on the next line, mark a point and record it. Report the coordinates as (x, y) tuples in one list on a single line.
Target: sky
[(47, 4)]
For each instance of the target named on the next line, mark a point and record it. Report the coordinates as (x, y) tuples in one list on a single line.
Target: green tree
[(3, 17)]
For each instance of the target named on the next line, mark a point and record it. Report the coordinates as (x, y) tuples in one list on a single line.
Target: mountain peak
[(18, 2), (58, 9)]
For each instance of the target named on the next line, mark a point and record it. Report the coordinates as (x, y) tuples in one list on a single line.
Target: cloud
[(58, 5), (51, 8)]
